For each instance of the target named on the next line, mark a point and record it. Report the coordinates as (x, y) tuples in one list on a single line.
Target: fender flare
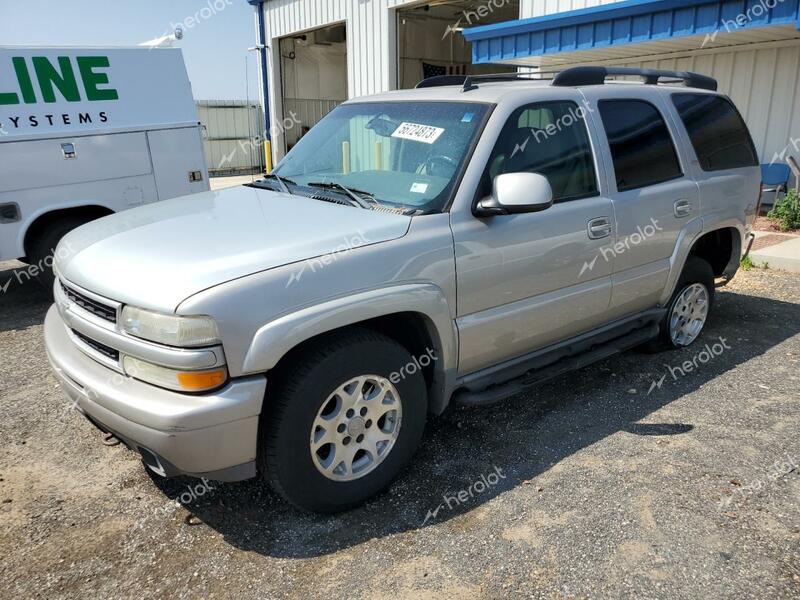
[(688, 238), (275, 339)]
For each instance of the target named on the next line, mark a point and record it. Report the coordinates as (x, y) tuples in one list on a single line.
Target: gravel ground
[(588, 487)]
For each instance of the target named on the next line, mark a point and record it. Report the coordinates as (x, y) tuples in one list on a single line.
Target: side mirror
[(514, 193)]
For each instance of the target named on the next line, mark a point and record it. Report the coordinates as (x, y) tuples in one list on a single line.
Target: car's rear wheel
[(689, 307), (343, 421)]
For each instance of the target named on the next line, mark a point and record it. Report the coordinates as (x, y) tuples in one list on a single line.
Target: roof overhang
[(634, 28)]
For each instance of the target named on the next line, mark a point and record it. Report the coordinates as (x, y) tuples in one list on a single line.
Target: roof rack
[(467, 81), (595, 75), (574, 76)]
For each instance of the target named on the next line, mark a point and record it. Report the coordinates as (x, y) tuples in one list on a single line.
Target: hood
[(158, 255)]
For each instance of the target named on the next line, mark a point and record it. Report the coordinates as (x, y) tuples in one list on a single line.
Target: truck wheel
[(689, 306), (44, 246), (344, 420)]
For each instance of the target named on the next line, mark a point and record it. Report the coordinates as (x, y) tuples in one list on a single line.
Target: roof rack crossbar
[(468, 81), (596, 75)]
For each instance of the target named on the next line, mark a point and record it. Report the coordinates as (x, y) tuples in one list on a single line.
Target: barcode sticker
[(426, 134)]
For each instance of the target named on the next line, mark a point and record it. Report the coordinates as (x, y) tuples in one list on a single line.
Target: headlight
[(182, 381), (172, 330)]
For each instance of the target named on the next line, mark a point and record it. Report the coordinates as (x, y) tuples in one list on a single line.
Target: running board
[(483, 391)]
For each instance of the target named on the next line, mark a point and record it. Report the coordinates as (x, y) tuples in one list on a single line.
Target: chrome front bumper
[(212, 436)]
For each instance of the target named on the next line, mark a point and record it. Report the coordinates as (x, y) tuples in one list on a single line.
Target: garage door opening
[(430, 43), (313, 79)]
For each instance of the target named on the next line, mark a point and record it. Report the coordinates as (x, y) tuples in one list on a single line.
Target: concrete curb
[(784, 256)]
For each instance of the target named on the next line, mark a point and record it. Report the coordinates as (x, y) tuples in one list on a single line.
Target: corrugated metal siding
[(232, 136), (537, 8), (371, 52), (368, 22), (619, 25), (305, 110), (764, 84)]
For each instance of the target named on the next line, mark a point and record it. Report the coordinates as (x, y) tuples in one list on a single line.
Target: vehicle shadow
[(23, 300), (523, 437)]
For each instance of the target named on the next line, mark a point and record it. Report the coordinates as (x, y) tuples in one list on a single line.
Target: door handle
[(682, 208), (599, 228)]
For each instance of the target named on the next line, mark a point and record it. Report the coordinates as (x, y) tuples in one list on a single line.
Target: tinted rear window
[(641, 146), (719, 135)]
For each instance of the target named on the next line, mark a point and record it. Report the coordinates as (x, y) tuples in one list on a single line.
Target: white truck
[(86, 132)]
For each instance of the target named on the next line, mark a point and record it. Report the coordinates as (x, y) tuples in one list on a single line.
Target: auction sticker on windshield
[(426, 134)]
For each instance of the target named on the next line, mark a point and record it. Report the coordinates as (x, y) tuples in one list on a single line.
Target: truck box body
[(94, 129)]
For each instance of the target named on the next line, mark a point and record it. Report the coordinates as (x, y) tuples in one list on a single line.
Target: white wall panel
[(371, 41), (537, 8), (764, 82), (231, 141)]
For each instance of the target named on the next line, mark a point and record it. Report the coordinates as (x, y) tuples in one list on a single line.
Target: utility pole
[(263, 70)]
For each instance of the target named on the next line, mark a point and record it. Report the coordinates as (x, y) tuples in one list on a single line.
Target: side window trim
[(515, 115), (670, 132)]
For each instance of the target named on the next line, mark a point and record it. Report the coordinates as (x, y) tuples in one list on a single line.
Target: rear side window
[(719, 135), (549, 138), (641, 146)]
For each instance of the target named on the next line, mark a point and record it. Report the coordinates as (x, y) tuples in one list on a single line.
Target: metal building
[(232, 136), (324, 51)]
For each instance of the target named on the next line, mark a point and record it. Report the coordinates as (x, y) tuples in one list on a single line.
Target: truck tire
[(688, 308), (345, 418), (44, 246)]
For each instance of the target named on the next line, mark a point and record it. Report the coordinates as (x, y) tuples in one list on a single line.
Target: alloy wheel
[(356, 427)]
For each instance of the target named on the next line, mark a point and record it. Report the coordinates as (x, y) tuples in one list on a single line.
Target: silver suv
[(456, 243)]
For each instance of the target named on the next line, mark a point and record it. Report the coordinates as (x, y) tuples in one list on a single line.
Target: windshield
[(407, 154)]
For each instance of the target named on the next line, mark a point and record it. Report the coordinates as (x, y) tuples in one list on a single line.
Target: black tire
[(285, 455), (44, 246), (696, 270)]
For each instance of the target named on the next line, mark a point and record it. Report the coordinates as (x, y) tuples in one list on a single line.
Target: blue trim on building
[(262, 56), (628, 22)]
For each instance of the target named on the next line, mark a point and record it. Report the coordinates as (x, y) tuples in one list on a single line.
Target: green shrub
[(786, 211)]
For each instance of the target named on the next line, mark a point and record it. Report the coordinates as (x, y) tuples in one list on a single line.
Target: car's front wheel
[(346, 416)]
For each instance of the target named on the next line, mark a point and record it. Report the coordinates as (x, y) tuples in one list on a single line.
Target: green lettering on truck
[(91, 79), (48, 77), (61, 78)]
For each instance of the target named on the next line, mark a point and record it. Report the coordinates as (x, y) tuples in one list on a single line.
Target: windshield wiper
[(356, 195), (282, 182)]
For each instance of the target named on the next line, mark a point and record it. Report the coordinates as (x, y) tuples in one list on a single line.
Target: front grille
[(97, 346), (109, 313)]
